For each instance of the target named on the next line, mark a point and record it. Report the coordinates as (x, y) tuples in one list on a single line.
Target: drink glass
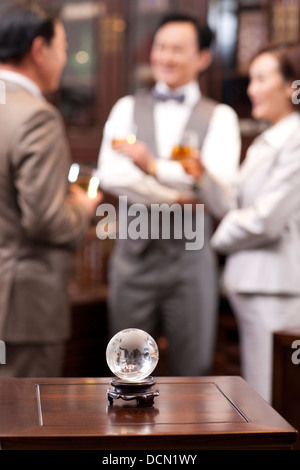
[(182, 151), (84, 177), (119, 133)]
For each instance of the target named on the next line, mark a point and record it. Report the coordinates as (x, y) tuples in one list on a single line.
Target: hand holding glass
[(118, 134), (185, 147), (84, 177)]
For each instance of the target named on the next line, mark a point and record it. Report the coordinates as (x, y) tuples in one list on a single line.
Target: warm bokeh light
[(82, 57)]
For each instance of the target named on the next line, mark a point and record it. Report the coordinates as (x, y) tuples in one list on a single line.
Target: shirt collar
[(191, 91), (21, 80), (278, 134)]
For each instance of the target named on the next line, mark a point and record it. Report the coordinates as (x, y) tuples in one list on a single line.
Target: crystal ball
[(132, 355)]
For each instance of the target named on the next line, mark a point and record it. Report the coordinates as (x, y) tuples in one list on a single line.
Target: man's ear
[(38, 50), (205, 60)]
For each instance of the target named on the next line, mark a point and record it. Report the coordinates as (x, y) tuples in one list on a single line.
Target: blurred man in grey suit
[(39, 221)]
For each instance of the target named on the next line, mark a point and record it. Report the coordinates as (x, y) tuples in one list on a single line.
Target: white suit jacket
[(261, 233)]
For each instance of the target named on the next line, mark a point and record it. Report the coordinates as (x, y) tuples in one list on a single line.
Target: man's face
[(175, 55), (54, 59)]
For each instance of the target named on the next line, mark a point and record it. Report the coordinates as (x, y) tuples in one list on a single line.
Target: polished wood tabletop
[(189, 413)]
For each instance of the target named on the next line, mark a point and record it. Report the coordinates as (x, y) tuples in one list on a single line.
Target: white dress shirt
[(21, 80), (220, 150)]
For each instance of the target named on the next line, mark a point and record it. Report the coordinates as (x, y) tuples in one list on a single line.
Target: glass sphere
[(132, 355)]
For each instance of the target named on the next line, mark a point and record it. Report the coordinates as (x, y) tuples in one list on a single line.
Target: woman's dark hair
[(288, 57), (20, 23), (204, 34)]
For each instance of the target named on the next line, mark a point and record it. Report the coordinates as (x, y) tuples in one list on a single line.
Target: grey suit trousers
[(176, 291)]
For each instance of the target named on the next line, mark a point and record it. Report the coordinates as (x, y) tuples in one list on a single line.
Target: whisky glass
[(119, 133), (183, 150), (84, 177)]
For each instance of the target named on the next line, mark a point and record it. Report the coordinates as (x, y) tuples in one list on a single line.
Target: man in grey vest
[(158, 281)]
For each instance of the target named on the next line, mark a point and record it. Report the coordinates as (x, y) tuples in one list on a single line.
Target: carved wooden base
[(143, 392)]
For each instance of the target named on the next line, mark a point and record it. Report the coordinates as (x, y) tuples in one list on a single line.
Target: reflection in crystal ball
[(132, 355)]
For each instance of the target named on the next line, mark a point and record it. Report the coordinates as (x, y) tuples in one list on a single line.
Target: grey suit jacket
[(261, 235), (37, 226)]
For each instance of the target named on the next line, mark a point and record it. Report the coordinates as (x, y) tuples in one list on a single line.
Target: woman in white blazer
[(260, 234)]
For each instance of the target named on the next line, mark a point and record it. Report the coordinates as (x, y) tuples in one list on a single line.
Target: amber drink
[(84, 177), (182, 152)]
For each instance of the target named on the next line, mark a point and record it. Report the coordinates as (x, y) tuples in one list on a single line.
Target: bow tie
[(167, 96)]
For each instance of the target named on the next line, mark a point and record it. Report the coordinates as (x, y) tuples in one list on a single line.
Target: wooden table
[(286, 377), (189, 413)]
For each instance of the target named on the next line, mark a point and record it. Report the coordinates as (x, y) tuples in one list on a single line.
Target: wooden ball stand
[(143, 391)]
